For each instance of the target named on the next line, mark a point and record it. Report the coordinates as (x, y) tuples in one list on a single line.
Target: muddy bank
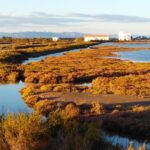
[(88, 98)]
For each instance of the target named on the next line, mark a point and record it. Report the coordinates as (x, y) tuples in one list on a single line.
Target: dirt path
[(80, 98)]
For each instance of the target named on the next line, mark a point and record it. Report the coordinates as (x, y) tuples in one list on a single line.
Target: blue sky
[(92, 16)]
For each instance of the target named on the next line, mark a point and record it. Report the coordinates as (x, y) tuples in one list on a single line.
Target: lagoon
[(135, 56), (10, 99)]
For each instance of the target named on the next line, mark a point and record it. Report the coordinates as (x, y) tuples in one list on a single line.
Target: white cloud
[(40, 21)]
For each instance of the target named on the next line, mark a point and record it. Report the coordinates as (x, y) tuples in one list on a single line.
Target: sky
[(86, 16)]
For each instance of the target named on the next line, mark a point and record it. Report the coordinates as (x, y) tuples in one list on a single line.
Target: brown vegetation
[(136, 85), (30, 132), (132, 121), (112, 75), (61, 74), (16, 51)]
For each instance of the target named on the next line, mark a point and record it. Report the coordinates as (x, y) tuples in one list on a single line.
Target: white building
[(55, 39), (95, 37), (124, 36)]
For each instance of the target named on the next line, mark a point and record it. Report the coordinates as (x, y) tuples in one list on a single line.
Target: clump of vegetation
[(31, 132), (27, 92), (71, 110), (131, 147), (136, 85), (61, 88), (23, 131), (129, 122), (47, 106), (140, 108), (9, 73), (97, 108)]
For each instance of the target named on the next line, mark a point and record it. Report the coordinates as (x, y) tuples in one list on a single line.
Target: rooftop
[(96, 35)]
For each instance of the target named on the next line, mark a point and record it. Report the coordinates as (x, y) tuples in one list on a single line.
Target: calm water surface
[(128, 45), (35, 59), (10, 98), (135, 56)]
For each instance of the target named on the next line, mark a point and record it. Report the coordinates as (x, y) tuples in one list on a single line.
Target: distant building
[(124, 36), (95, 37), (55, 39)]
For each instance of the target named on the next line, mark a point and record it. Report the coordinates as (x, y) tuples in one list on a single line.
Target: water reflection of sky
[(135, 56), (35, 59), (128, 45), (10, 98), (124, 141)]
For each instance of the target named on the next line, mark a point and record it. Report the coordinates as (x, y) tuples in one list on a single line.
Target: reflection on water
[(35, 59), (10, 98), (128, 45), (124, 141), (85, 84), (135, 56)]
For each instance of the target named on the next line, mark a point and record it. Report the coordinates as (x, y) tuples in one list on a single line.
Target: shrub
[(30, 132), (71, 110), (131, 147), (27, 92), (3, 143), (45, 106), (97, 108), (138, 108), (23, 131), (74, 134), (13, 77)]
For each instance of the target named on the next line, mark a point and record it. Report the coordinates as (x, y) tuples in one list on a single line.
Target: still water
[(10, 98), (135, 56), (35, 59), (128, 45)]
